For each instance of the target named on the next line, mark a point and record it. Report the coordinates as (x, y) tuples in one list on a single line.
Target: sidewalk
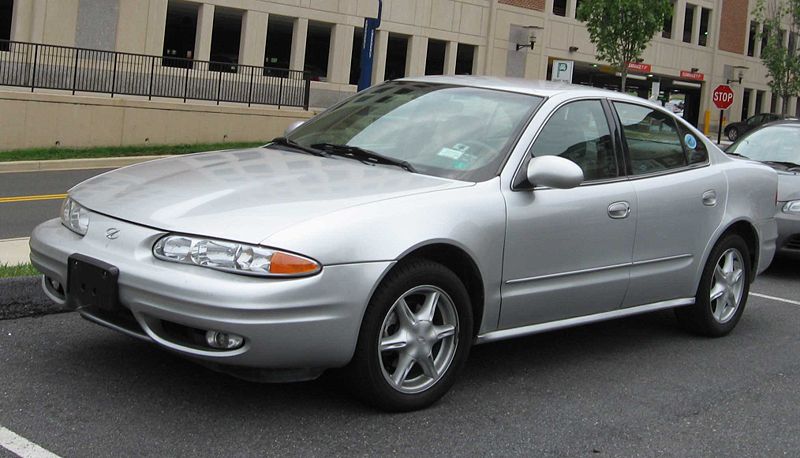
[(14, 251), (74, 164)]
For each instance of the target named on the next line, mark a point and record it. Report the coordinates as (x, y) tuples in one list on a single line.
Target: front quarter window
[(443, 130)]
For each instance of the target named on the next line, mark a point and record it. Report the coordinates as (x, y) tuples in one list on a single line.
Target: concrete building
[(706, 43)]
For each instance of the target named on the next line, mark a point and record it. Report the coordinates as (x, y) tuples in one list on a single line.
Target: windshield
[(780, 143), (449, 131)]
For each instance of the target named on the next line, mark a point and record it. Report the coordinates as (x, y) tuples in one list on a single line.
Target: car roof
[(524, 86)]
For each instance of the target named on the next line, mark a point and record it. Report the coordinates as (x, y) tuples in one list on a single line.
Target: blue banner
[(368, 48)]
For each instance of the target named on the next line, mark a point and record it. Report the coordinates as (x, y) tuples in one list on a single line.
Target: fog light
[(223, 340)]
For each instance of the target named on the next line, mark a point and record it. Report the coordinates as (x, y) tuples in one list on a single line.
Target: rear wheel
[(722, 294), (414, 339)]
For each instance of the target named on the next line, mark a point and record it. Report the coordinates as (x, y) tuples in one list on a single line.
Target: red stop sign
[(723, 97)]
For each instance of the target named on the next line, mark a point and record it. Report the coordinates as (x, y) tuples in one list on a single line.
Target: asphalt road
[(634, 387), (17, 219)]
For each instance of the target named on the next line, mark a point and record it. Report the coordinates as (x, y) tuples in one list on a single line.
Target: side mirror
[(554, 172), (292, 127)]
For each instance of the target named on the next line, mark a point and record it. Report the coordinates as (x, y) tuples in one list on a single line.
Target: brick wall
[(537, 5), (734, 26)]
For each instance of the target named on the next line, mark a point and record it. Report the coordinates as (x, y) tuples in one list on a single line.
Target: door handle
[(710, 198), (619, 210)]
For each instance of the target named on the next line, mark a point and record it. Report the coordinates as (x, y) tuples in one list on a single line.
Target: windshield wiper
[(737, 155), (293, 144), (361, 154), (787, 164)]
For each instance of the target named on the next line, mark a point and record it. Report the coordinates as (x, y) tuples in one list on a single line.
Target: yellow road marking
[(7, 200)]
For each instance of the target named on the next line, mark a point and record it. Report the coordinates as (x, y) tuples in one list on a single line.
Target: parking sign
[(562, 70)]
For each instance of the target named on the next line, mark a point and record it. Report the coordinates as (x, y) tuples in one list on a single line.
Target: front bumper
[(303, 323), (788, 233)]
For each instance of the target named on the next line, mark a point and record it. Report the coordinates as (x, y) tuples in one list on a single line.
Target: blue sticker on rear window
[(691, 142)]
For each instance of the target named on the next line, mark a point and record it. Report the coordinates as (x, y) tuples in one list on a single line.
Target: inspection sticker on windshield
[(691, 142), (454, 153)]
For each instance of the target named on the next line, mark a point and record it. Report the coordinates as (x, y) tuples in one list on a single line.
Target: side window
[(653, 141), (696, 152), (579, 132)]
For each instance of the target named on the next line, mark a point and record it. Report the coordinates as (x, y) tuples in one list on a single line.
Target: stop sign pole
[(723, 99)]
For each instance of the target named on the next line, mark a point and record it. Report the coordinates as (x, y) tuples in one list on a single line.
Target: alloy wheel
[(727, 285)]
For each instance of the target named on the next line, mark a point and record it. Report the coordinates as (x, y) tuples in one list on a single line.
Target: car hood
[(245, 195)]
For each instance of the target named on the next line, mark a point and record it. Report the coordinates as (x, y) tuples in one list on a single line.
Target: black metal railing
[(89, 70)]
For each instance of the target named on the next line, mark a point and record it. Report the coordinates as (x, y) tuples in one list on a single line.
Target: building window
[(180, 33), (666, 31), (318, 50), (705, 17), (577, 5), (751, 40), (434, 62), (792, 42), (773, 103), (6, 11), (764, 37), (355, 60), (226, 37), (277, 56), (560, 7), (759, 101), (745, 103), (688, 23), (396, 53), (465, 59)]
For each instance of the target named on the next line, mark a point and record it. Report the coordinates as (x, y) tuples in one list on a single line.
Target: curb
[(23, 297), (74, 164)]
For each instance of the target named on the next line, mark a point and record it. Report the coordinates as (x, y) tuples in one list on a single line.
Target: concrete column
[(766, 103), (478, 59), (379, 56), (21, 20), (450, 54), (572, 8), (678, 20), (416, 55), (751, 106), (297, 61), (341, 53), (253, 43), (37, 21), (792, 108), (156, 27), (696, 25), (205, 30)]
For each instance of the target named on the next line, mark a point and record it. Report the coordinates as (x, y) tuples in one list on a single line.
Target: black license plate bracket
[(92, 283)]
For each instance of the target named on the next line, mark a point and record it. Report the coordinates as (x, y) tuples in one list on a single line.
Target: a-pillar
[(379, 56), (253, 43), (205, 29), (297, 61), (340, 55), (450, 55), (416, 56)]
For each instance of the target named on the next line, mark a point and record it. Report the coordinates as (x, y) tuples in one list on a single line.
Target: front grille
[(794, 242)]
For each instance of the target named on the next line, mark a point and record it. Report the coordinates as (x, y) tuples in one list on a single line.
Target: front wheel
[(414, 339), (733, 134), (722, 293)]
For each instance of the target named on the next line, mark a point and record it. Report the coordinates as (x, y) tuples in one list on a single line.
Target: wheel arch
[(461, 263), (748, 232)]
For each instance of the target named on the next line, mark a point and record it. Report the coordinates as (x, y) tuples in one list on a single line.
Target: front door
[(568, 251)]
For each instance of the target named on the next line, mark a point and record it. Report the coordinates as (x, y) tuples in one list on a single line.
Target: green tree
[(622, 29), (782, 62)]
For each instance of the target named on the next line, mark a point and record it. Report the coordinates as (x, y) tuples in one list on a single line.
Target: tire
[(717, 317), (432, 351), (733, 134)]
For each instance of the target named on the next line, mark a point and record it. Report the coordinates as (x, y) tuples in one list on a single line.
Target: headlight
[(233, 257), (793, 206), (74, 216)]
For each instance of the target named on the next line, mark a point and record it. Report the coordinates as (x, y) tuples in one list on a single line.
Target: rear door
[(680, 201)]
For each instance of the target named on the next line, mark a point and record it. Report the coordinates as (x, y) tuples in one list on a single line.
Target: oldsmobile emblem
[(112, 233)]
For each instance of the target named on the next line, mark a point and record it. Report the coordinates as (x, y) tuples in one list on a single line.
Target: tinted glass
[(779, 143), (579, 132), (449, 131), (653, 141), (696, 152)]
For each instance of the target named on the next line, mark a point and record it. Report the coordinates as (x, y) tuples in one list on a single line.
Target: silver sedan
[(395, 230)]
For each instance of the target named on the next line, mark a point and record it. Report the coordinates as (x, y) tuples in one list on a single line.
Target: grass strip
[(18, 270), (46, 154)]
